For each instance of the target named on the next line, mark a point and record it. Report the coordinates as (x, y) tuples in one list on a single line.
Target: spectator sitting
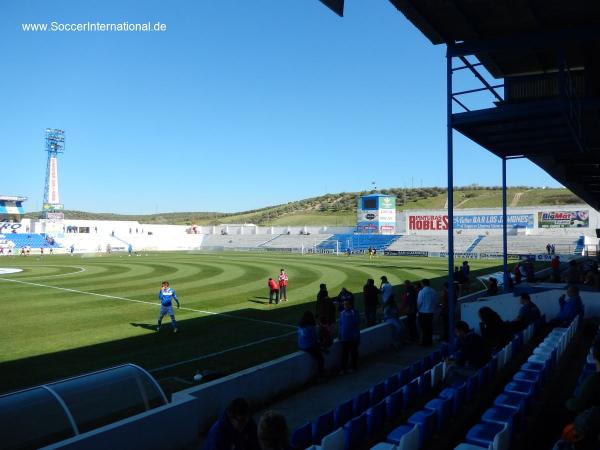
[(492, 287), (473, 353), (583, 433), (588, 394), (591, 278), (494, 331), (234, 429), (528, 313), (308, 341), (570, 307), (273, 433)]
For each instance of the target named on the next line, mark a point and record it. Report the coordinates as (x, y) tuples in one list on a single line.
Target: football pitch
[(66, 315)]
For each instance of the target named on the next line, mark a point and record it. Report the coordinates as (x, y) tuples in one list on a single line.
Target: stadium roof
[(548, 51), (12, 198)]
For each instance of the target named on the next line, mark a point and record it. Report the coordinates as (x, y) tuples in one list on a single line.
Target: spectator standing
[(370, 297), (308, 340), (349, 336), (466, 273), (492, 287), (234, 430), (410, 293), (283, 283), (444, 313), (343, 296), (426, 303), (391, 314), (555, 266), (325, 317), (273, 291), (386, 290), (572, 275)]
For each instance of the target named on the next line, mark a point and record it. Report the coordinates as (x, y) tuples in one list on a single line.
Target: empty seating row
[(510, 408), (351, 423), (357, 242)]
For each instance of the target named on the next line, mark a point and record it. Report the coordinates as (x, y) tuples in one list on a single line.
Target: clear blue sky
[(239, 104)]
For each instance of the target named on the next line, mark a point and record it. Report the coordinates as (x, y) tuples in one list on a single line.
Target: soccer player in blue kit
[(166, 297)]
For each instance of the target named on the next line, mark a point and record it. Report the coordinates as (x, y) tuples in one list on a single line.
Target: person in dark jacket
[(234, 430), (325, 316), (588, 394), (492, 287), (494, 331), (473, 353), (349, 336), (344, 295), (308, 340), (370, 297), (528, 313), (273, 432), (410, 293)]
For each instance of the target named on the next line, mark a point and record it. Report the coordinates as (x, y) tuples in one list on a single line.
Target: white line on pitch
[(210, 355), (210, 313)]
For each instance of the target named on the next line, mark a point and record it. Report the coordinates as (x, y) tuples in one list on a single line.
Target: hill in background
[(340, 209)]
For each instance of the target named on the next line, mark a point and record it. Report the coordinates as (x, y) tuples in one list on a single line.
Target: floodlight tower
[(55, 144)]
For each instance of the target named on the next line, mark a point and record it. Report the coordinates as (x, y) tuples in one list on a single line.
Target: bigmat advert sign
[(563, 219), (472, 222)]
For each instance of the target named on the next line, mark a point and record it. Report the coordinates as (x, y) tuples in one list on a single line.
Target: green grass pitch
[(67, 315)]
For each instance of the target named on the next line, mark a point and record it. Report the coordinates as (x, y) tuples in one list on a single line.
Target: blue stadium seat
[(444, 349), (502, 415), (472, 387), (302, 436), (391, 384), (334, 440), (425, 383), (488, 435), (342, 414), (528, 377), (416, 369), (405, 437), (515, 401), (360, 403), (520, 387), (322, 426), (376, 419), (410, 393), (457, 394), (442, 407), (355, 433), (426, 421), (428, 361), (404, 376), (376, 393), (394, 405)]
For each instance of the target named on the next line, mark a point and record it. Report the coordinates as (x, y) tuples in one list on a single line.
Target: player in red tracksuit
[(273, 291), (283, 282)]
